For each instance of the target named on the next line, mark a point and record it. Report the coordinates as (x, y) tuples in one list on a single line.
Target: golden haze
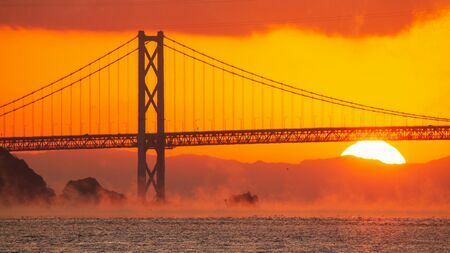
[(406, 72)]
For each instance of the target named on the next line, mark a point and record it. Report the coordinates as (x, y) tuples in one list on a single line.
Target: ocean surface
[(224, 235)]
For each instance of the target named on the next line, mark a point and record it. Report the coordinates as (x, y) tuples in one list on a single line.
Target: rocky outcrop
[(19, 184), (245, 199), (88, 191)]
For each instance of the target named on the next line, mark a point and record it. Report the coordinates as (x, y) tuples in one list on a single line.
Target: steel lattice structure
[(307, 135), (231, 137), (71, 142), (153, 121)]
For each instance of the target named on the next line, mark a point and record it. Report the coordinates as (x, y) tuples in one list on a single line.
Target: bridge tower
[(151, 97)]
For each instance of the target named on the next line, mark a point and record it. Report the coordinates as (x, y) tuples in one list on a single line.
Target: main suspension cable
[(328, 98), (309, 94), (70, 74)]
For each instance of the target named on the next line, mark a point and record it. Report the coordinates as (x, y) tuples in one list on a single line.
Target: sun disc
[(376, 150)]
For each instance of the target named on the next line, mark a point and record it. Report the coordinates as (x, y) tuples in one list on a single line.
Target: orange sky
[(392, 55)]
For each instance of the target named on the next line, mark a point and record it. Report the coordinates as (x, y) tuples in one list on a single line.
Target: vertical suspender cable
[(184, 93), (262, 106), (213, 120), (272, 103), (90, 101), (292, 110), (362, 117), (81, 106), (233, 109), (99, 98), (322, 114), (118, 91), (282, 109), (109, 99), (128, 93), (174, 91), (253, 104), (302, 112), (243, 104), (331, 115), (312, 113), (71, 110), (224, 126), (61, 112), (32, 115), (4, 122), (352, 121), (42, 113), (349, 117), (51, 111), (14, 121), (193, 92), (375, 119), (204, 97), (23, 117)]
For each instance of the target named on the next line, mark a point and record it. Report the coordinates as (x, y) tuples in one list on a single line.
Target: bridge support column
[(151, 98)]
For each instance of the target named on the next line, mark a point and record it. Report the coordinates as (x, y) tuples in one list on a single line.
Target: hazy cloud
[(222, 17)]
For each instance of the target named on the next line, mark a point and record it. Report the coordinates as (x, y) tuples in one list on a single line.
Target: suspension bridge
[(184, 97)]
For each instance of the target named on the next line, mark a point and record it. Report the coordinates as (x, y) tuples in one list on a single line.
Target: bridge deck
[(180, 139)]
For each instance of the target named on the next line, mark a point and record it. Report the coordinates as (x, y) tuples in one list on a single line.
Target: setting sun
[(253, 125), (377, 150)]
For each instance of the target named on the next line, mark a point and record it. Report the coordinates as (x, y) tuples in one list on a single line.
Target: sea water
[(254, 234)]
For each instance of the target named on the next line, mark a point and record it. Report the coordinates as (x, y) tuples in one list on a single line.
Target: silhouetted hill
[(19, 184), (89, 191)]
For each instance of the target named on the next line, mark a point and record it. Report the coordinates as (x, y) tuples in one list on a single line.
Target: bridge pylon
[(151, 98)]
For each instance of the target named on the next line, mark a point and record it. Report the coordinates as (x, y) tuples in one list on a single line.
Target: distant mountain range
[(335, 180)]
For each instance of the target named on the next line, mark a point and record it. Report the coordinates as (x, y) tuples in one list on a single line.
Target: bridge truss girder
[(69, 142), (305, 135), (231, 137)]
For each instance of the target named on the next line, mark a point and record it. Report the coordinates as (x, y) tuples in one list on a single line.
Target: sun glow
[(376, 150)]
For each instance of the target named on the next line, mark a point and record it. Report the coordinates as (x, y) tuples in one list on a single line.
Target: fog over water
[(347, 185)]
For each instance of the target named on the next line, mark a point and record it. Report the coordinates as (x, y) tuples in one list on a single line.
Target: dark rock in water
[(245, 199), (19, 184), (89, 191)]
